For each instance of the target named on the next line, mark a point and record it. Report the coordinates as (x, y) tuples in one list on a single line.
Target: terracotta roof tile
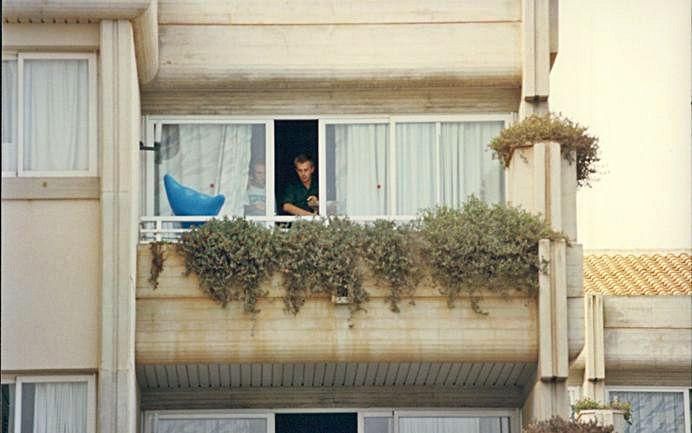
[(634, 275)]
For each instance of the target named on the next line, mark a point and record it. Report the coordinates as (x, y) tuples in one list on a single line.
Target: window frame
[(12, 57), (149, 417), (659, 389), (11, 380), (92, 139), (20, 380), (514, 415), (153, 129), (152, 134)]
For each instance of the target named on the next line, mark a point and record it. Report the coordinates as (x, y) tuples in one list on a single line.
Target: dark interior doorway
[(316, 423), (291, 138)]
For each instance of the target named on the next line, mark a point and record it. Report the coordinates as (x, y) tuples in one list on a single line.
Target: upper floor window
[(49, 114), (364, 168)]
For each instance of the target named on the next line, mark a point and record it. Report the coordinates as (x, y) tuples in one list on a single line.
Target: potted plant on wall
[(575, 143), (615, 413)]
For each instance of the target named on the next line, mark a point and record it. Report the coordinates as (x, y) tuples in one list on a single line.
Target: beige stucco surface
[(624, 71), (50, 284)]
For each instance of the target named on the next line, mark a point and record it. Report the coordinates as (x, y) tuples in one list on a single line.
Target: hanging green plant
[(483, 247), (321, 258), (393, 254), (231, 259), (158, 258), (550, 127), (477, 248)]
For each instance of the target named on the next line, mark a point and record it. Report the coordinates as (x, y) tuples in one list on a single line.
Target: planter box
[(604, 417)]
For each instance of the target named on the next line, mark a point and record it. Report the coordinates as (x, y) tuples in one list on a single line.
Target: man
[(301, 198), (256, 192)]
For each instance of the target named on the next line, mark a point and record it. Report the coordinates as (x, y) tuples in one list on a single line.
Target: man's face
[(304, 171), (259, 174)]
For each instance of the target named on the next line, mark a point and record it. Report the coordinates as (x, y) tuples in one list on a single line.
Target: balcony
[(187, 344), (178, 323)]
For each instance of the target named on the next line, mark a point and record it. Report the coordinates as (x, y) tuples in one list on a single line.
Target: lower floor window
[(659, 411), (409, 421), (240, 425), (437, 424), (44, 404)]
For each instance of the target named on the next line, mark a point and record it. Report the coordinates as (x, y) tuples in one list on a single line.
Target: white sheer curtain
[(466, 162), (213, 159), (60, 407), (360, 157), (415, 169), (219, 425), (56, 122), (9, 115), (453, 425), (654, 412)]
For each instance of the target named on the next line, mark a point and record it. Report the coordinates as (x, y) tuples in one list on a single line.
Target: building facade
[(100, 99)]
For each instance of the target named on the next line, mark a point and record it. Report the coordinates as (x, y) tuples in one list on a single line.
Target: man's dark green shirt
[(297, 194)]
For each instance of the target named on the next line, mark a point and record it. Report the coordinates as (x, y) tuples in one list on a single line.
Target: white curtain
[(415, 169), (654, 412), (219, 425), (56, 122), (213, 159), (9, 116), (60, 407), (453, 425), (466, 162), (360, 153)]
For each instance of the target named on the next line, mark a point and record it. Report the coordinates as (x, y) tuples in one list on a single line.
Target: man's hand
[(295, 210)]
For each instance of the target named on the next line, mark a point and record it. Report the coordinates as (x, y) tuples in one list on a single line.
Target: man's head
[(304, 168), (258, 173)]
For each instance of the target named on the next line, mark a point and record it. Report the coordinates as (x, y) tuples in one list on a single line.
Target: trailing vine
[(321, 258), (483, 247), (231, 259), (393, 256), (158, 258), (550, 127), (479, 247)]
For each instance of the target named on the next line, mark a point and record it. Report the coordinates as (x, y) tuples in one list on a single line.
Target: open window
[(366, 167)]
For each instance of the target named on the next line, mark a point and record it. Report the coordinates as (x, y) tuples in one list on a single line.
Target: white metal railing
[(170, 228)]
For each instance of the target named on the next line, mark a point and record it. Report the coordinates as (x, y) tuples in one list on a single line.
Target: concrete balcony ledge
[(178, 323)]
